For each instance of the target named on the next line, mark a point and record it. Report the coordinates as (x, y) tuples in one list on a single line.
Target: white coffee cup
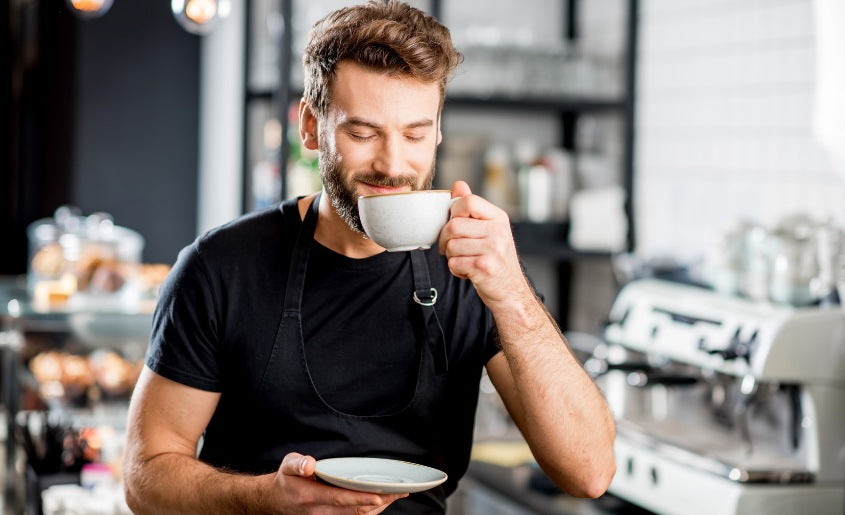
[(407, 220)]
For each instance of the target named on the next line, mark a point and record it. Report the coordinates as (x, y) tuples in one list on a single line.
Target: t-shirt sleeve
[(185, 340)]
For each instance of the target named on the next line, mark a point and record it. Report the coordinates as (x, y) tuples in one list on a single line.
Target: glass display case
[(67, 374)]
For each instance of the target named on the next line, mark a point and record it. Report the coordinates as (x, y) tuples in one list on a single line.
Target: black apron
[(307, 424)]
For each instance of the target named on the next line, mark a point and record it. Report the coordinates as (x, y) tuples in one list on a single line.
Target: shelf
[(530, 103), (549, 240), (261, 94), (536, 103), (560, 253), (102, 326)]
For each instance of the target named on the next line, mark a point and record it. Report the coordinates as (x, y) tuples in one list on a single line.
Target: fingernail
[(302, 464)]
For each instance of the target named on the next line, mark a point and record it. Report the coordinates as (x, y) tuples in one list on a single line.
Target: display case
[(67, 374)]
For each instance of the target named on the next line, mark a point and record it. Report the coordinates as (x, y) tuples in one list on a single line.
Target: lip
[(391, 193), (372, 189)]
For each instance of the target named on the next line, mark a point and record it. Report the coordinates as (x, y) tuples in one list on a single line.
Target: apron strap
[(299, 260), (426, 296)]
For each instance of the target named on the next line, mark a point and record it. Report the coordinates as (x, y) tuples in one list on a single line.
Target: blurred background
[(700, 141)]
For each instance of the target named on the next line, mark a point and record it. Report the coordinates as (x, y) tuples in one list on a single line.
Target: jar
[(794, 269), (72, 256)]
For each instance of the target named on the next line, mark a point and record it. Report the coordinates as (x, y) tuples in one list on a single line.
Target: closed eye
[(360, 137)]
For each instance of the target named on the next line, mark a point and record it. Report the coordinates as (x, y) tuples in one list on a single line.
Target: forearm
[(175, 483), (563, 415)]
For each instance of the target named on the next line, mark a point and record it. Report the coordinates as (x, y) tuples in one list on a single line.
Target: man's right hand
[(298, 491), (163, 475)]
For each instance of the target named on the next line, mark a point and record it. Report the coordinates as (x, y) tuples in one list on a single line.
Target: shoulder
[(249, 229), (258, 234)]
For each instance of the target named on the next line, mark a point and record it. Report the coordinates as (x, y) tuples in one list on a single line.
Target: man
[(287, 336)]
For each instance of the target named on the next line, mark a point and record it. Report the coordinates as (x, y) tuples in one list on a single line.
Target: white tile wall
[(602, 28), (533, 22), (724, 121)]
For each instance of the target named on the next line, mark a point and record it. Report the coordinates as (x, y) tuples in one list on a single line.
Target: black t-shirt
[(219, 311), (346, 306)]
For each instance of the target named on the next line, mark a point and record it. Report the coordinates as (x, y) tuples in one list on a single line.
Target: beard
[(342, 191)]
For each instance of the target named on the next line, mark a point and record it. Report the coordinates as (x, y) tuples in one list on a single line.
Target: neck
[(334, 233)]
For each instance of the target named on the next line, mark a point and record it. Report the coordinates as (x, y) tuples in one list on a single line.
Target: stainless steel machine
[(724, 405)]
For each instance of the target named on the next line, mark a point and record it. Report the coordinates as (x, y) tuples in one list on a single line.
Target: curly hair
[(387, 36)]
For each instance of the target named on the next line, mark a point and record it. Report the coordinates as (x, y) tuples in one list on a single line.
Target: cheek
[(423, 159), (352, 156)]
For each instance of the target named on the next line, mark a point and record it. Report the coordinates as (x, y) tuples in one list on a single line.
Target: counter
[(524, 490)]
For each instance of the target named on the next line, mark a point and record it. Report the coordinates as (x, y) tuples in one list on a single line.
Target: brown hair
[(388, 36)]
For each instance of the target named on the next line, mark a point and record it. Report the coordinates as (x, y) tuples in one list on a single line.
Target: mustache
[(378, 179)]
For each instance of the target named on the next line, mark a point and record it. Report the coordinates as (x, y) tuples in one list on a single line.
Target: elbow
[(135, 500), (590, 480), (597, 484), (132, 481), (132, 500)]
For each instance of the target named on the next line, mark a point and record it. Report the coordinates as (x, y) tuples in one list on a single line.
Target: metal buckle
[(429, 302)]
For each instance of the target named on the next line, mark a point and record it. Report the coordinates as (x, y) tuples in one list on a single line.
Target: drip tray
[(717, 451)]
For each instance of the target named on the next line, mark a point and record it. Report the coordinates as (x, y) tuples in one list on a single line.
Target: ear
[(307, 126)]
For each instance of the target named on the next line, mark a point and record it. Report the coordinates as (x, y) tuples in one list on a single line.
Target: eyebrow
[(360, 122)]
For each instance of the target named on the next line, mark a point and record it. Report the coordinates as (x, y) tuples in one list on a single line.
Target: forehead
[(361, 92)]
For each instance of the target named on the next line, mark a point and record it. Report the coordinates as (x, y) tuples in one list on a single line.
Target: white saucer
[(379, 475)]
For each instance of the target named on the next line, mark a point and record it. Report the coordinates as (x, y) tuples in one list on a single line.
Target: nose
[(389, 159)]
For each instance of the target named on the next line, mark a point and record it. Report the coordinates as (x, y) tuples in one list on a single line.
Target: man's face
[(380, 135)]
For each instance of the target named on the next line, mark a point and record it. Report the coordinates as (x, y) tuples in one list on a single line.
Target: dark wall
[(38, 100), (9, 233), (136, 124), (103, 114)]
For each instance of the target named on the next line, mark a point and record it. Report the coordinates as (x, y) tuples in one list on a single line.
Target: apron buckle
[(429, 298)]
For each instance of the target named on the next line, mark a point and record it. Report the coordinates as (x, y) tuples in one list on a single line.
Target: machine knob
[(736, 348)]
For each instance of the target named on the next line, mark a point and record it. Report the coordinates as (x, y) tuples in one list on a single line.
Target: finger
[(379, 509), (465, 247), (472, 236), (475, 207), (460, 189), (467, 228), (462, 227), (335, 496), (462, 266), (295, 464)]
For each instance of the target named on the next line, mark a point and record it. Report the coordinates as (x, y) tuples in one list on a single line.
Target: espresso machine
[(724, 404)]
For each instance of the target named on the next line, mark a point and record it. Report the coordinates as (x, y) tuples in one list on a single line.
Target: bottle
[(498, 177), (535, 183), (560, 163)]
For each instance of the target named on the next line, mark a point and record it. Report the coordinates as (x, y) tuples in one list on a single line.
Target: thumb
[(460, 189), (295, 464)]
